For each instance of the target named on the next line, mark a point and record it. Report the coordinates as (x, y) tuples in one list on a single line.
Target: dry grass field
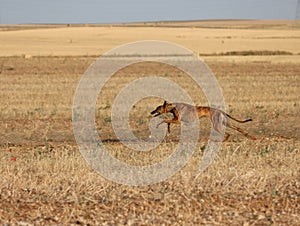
[(46, 181)]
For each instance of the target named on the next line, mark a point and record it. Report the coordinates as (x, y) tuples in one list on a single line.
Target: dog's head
[(162, 109)]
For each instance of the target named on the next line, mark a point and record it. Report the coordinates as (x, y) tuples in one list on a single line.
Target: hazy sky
[(112, 11)]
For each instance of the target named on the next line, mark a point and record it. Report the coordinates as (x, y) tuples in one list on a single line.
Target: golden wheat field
[(46, 181)]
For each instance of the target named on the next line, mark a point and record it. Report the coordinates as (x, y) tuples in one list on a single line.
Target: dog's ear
[(165, 103)]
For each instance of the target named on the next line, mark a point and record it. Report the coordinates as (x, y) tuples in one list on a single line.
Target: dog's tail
[(240, 121)]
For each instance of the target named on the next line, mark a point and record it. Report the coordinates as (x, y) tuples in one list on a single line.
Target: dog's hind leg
[(246, 134)]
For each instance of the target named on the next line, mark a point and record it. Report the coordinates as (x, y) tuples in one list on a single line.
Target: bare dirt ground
[(45, 180)]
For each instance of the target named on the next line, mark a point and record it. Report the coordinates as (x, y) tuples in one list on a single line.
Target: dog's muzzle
[(155, 114)]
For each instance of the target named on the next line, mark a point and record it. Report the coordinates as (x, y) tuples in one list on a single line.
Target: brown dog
[(186, 112)]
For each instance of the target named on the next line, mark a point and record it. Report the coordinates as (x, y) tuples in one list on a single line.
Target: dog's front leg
[(160, 123), (169, 121), (169, 125)]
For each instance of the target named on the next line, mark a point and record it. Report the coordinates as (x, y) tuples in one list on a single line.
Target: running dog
[(186, 112)]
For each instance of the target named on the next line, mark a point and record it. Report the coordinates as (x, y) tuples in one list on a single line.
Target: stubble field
[(45, 180)]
